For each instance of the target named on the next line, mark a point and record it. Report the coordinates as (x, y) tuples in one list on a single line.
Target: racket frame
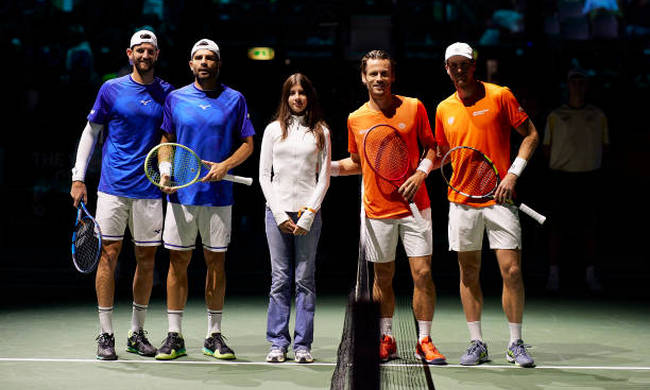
[(412, 206), (149, 160), (490, 195)]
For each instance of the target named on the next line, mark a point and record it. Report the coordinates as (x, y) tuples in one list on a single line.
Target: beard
[(212, 74), (143, 67)]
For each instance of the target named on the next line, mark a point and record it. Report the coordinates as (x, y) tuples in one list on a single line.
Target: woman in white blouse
[(294, 175)]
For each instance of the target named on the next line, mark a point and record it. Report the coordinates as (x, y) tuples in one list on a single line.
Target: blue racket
[(86, 241)]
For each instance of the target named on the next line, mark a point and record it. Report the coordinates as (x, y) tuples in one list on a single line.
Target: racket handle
[(239, 179), (418, 217), (532, 213)]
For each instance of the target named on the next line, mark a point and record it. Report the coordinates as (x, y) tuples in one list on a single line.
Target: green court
[(577, 344)]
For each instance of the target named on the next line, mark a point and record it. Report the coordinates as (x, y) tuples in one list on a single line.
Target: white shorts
[(183, 222), (467, 225), (382, 234), (144, 217)]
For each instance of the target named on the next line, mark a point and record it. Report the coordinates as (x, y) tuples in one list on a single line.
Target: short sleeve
[(424, 128), (168, 120), (102, 107), (515, 114), (245, 125), (440, 129), (352, 142)]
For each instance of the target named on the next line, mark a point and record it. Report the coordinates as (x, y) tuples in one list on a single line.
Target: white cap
[(144, 36), (459, 49), (205, 44)]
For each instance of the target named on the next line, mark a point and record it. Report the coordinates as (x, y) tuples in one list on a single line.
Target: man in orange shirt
[(481, 115), (388, 215)]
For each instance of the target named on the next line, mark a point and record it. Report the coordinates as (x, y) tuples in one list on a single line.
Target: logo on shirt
[(480, 112), (145, 102), (204, 106), (402, 125), (156, 231), (451, 120)]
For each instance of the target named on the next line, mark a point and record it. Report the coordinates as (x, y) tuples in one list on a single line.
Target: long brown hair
[(313, 114)]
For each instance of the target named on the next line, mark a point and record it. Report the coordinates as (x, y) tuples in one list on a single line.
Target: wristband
[(165, 168), (517, 166), (425, 166), (306, 209), (335, 168)]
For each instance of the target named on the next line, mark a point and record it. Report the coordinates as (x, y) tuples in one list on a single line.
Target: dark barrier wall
[(57, 53)]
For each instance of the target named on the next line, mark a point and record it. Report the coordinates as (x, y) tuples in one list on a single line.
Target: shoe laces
[(427, 345), (519, 348), (172, 338), (104, 339), (474, 346), (141, 336), (218, 337)]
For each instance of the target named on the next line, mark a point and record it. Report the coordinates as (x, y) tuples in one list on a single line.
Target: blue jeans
[(292, 258)]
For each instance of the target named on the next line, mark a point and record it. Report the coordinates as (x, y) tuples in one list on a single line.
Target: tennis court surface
[(577, 344)]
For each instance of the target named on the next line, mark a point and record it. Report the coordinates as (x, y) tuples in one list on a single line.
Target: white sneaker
[(303, 356), (276, 355)]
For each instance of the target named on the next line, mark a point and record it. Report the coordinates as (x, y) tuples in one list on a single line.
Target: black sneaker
[(106, 347), (216, 346), (137, 343), (173, 347)]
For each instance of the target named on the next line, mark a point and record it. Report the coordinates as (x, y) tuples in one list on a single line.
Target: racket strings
[(185, 166), (387, 154), (472, 174), (86, 243)]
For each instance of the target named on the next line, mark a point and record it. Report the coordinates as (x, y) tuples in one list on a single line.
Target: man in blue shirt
[(128, 110), (211, 119)]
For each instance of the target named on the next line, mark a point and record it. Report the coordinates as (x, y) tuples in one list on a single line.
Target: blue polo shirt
[(213, 124), (132, 114)]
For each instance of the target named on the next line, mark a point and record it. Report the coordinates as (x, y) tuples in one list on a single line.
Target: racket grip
[(239, 179), (532, 213), (418, 217)]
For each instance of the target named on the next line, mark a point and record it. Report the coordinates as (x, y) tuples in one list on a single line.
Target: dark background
[(57, 53)]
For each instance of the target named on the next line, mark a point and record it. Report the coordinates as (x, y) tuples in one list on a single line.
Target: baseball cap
[(205, 44), (144, 36), (459, 49)]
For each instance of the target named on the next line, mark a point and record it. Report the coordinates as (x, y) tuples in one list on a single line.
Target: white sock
[(475, 332), (106, 319), (515, 331), (175, 318), (214, 321), (424, 329), (386, 326), (137, 318)]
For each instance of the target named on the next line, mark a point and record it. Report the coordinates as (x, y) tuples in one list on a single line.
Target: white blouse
[(293, 173)]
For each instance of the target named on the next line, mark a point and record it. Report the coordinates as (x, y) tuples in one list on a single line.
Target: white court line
[(289, 363)]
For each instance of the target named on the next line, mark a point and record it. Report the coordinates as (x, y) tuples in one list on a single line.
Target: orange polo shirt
[(381, 199), (486, 126)]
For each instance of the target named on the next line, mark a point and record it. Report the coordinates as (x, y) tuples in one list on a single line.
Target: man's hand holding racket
[(412, 185), (78, 193), (505, 189), (217, 171)]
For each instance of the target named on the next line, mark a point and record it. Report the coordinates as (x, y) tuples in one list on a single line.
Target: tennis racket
[(86, 241), (387, 155), (479, 179), (181, 167)]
